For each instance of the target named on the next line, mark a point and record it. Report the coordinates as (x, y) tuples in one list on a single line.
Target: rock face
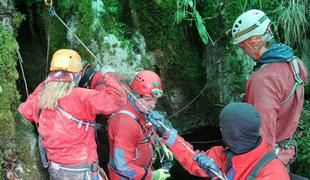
[(18, 153), (6, 11)]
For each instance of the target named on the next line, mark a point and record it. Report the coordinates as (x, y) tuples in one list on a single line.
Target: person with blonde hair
[(65, 114)]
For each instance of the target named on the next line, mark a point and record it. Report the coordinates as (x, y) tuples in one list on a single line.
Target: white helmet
[(251, 23)]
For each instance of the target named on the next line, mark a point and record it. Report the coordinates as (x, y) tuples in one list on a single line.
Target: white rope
[(48, 45), (91, 53), (22, 69), (80, 41), (200, 93)]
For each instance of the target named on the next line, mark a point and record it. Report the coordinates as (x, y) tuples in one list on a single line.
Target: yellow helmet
[(67, 60)]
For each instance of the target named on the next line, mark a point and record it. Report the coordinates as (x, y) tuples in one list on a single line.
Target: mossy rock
[(8, 75), (7, 124), (27, 148)]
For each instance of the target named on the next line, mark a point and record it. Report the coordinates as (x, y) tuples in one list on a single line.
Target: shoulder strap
[(72, 118), (261, 164), (298, 81), (229, 155), (133, 116)]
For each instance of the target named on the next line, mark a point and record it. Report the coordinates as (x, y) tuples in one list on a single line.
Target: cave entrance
[(32, 43)]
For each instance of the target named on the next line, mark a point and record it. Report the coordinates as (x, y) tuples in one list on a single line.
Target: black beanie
[(240, 123)]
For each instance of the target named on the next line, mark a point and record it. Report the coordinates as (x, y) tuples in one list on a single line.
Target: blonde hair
[(53, 92)]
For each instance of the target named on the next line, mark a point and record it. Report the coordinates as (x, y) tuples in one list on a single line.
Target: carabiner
[(48, 4)]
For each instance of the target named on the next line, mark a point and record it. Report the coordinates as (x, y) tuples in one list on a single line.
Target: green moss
[(177, 54), (236, 71), (8, 76), (302, 164), (17, 19)]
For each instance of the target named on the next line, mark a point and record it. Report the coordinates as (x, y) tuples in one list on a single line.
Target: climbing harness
[(92, 171), (79, 121), (298, 81), (165, 160), (147, 138)]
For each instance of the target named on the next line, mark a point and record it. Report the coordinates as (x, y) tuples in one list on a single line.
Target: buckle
[(94, 167)]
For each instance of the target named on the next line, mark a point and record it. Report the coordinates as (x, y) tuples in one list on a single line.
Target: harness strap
[(298, 81), (79, 121), (268, 157), (57, 166), (147, 138), (84, 167), (229, 155)]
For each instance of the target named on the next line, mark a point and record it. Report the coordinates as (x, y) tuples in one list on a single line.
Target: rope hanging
[(200, 93), (48, 44), (23, 73)]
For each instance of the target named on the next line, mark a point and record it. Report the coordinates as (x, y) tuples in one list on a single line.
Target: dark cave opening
[(201, 139), (32, 43)]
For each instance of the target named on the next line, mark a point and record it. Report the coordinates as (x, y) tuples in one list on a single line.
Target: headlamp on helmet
[(147, 83)]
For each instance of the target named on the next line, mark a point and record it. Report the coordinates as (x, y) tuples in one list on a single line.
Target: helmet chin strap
[(132, 102), (257, 45)]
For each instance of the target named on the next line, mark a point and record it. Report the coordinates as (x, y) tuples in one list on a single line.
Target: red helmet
[(147, 83)]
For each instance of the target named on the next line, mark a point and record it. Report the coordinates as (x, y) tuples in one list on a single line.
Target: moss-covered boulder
[(8, 75)]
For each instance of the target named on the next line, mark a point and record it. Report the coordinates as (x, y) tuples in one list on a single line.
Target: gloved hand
[(160, 174), (158, 121), (167, 152), (105, 69), (206, 164)]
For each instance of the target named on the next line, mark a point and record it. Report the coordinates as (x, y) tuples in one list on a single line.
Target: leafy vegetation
[(302, 134), (183, 12), (290, 21)]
